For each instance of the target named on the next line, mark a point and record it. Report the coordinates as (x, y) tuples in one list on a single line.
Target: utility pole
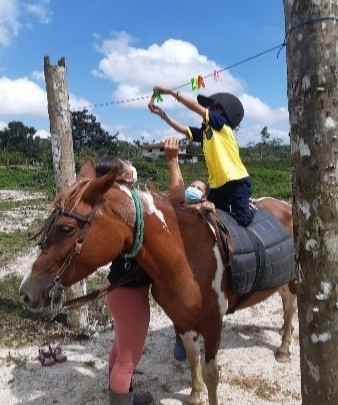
[(63, 157), (312, 57)]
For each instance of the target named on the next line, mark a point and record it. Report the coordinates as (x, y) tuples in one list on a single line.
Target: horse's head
[(70, 235)]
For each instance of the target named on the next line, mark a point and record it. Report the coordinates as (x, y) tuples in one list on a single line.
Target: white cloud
[(3, 125), (255, 109), (78, 103), (22, 96), (136, 70), (38, 76), (42, 133), (12, 15), (9, 22), (25, 97), (39, 9)]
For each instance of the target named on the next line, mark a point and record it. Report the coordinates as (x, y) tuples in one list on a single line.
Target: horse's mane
[(74, 192)]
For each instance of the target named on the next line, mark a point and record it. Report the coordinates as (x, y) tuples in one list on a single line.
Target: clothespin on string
[(194, 84), (217, 76), (158, 97), (200, 82), (197, 82)]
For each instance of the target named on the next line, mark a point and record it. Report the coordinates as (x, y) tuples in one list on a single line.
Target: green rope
[(139, 224)]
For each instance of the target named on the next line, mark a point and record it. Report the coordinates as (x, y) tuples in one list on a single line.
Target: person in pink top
[(129, 304)]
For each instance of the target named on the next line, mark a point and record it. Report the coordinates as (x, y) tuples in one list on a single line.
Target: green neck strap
[(139, 224)]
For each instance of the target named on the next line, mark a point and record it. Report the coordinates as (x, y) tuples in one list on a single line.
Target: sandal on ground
[(58, 354), (46, 359)]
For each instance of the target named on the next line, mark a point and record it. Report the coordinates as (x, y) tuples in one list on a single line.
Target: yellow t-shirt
[(221, 154)]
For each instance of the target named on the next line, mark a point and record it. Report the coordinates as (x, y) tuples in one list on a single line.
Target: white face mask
[(193, 195)]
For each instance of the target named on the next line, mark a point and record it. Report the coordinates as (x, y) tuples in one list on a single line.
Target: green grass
[(13, 244), (15, 178), (38, 179), (20, 327), (270, 178)]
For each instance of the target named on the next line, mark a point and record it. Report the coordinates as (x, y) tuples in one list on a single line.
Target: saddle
[(260, 256)]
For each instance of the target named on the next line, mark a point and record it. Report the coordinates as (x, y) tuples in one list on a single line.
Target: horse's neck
[(171, 236)]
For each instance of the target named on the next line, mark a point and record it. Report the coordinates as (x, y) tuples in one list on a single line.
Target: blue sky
[(118, 50)]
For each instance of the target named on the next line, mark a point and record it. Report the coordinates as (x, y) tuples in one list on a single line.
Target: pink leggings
[(130, 310)]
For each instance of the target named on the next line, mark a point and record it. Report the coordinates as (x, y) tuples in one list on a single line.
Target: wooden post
[(312, 55), (63, 156)]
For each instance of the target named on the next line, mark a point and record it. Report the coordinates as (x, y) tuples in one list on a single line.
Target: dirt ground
[(249, 372)]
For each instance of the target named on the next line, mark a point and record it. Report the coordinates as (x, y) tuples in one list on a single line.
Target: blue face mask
[(193, 195)]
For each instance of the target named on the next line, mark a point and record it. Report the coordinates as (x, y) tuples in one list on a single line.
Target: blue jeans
[(234, 196)]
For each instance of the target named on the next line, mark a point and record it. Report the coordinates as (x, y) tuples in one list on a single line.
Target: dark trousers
[(234, 196)]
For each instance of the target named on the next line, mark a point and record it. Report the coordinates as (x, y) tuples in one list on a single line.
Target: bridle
[(57, 287), (45, 230), (87, 220)]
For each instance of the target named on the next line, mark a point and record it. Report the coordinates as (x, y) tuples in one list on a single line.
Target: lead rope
[(139, 225)]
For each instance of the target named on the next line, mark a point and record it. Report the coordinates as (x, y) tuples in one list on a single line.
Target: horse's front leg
[(192, 349), (210, 372), (289, 301)]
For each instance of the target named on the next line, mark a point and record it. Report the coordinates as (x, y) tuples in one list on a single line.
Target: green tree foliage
[(19, 145), (89, 138)]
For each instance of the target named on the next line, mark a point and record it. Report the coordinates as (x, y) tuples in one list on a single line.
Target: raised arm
[(182, 98), (185, 100), (171, 147)]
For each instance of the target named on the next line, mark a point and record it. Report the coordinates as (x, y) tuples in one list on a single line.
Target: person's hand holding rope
[(155, 109)]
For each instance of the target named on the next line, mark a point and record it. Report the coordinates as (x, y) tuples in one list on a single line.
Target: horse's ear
[(87, 170), (99, 186)]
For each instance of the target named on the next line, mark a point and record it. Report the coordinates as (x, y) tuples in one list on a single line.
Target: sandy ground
[(249, 373)]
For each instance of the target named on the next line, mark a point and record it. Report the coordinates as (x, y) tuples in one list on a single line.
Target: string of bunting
[(195, 82), (198, 82)]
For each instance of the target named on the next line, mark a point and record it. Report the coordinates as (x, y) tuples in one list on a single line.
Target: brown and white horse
[(95, 221)]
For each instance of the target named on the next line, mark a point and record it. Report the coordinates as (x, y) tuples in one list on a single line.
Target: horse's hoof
[(282, 357), (194, 398)]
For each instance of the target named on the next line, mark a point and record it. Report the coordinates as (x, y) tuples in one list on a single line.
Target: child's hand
[(171, 147), (161, 90), (151, 103), (155, 109)]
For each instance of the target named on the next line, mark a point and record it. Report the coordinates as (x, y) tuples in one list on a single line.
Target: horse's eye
[(65, 228)]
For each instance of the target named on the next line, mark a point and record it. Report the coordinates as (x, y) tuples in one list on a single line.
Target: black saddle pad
[(263, 252)]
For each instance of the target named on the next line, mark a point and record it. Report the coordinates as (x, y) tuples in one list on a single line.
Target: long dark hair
[(105, 165)]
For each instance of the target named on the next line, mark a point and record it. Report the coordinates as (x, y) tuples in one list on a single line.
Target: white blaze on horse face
[(35, 254), (217, 282), (150, 207)]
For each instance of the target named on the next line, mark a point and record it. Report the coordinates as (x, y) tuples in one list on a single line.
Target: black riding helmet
[(231, 105)]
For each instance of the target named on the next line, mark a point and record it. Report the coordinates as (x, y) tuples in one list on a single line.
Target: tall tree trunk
[(312, 56), (63, 157)]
